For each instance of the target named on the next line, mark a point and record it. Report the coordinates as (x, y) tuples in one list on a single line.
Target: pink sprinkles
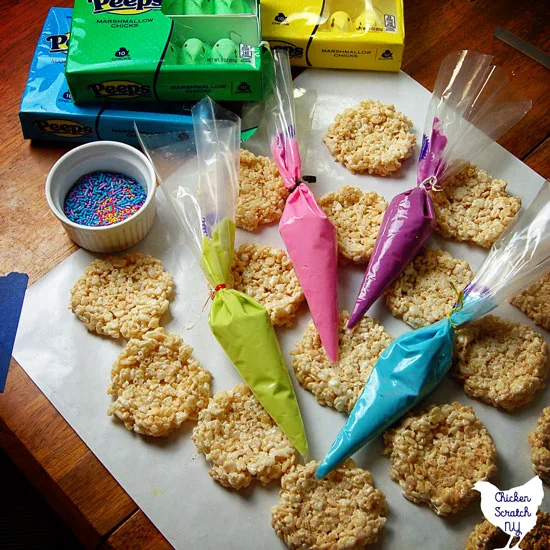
[(103, 198)]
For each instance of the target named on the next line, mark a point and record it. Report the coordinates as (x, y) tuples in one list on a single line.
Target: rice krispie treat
[(488, 537), (266, 274), (474, 207), (122, 296), (241, 441), (534, 301), (341, 511), (371, 138), (157, 384), (338, 385), (262, 193), (357, 217), (540, 446), (438, 455), (500, 362), (423, 293)]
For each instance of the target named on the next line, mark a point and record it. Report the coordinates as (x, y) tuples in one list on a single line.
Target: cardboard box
[(48, 113), (340, 34), (129, 50)]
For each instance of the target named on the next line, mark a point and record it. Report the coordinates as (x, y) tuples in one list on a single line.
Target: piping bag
[(471, 106), (309, 236), (416, 362), (204, 204)]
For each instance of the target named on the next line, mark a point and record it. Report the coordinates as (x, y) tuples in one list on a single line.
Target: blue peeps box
[(48, 113)]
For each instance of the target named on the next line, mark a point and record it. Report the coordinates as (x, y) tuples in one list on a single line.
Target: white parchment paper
[(167, 478)]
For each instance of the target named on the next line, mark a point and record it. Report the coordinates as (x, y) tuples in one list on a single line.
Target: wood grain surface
[(34, 435)]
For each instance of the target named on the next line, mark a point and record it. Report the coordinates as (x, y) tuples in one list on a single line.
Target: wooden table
[(32, 432)]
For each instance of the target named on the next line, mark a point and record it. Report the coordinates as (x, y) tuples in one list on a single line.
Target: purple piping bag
[(470, 107)]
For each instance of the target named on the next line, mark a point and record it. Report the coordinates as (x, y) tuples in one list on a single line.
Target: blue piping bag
[(414, 364)]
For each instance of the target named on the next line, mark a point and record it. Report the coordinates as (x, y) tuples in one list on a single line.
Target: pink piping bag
[(471, 106), (308, 234)]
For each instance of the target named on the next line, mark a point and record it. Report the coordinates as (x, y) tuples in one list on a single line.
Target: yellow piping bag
[(205, 206)]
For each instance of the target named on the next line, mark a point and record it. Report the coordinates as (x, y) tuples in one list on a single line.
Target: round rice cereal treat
[(371, 138), (500, 362), (266, 274), (438, 455), (423, 294), (540, 446), (262, 193), (157, 384), (241, 441), (488, 537), (341, 511), (122, 296), (473, 207), (339, 384), (534, 301), (357, 217)]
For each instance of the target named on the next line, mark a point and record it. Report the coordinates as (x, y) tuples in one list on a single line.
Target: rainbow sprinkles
[(103, 198)]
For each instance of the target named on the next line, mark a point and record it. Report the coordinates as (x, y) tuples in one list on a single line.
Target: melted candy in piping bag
[(309, 236), (204, 203), (471, 106), (416, 362)]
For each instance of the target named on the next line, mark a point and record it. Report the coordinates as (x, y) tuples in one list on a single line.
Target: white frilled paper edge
[(167, 478)]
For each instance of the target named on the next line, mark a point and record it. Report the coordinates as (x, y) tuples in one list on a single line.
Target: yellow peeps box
[(342, 34)]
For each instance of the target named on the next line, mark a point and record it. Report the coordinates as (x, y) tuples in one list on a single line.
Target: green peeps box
[(167, 50)]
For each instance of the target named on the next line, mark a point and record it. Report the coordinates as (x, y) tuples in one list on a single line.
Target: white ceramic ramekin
[(103, 156)]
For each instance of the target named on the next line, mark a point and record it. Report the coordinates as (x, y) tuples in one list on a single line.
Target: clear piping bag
[(309, 236), (200, 182), (471, 106)]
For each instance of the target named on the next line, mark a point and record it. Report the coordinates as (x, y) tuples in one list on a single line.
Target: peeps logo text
[(513, 511), (124, 7), (63, 128), (58, 42), (293, 50), (120, 89)]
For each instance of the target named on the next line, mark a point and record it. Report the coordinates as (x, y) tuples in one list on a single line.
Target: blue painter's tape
[(12, 293)]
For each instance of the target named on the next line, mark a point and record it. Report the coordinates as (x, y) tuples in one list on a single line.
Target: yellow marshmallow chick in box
[(346, 34)]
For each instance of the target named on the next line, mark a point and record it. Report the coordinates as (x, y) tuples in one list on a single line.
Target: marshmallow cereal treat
[(473, 207), (437, 456), (486, 536), (123, 296), (240, 440), (357, 217), (343, 511), (371, 138), (500, 362), (157, 384), (423, 293), (266, 274), (338, 385), (262, 193), (534, 301), (540, 446)]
